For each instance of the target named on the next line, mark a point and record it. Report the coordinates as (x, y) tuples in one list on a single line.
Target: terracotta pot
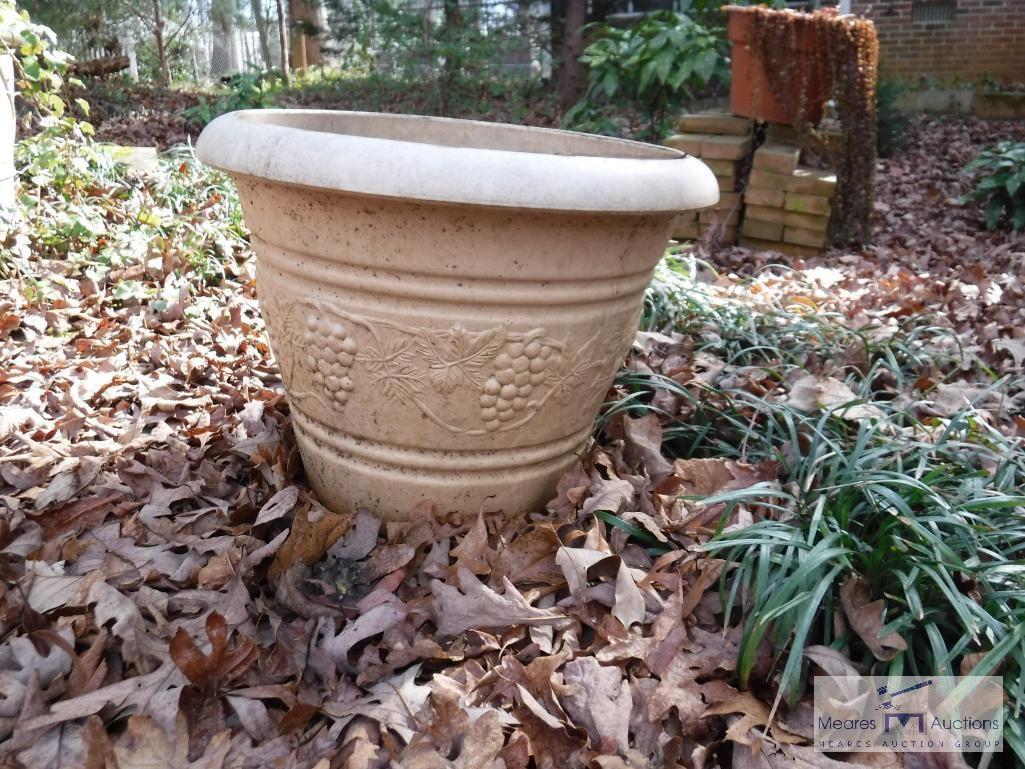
[(751, 91), (448, 300), (8, 121)]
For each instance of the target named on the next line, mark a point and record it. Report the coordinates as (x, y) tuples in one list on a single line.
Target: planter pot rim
[(444, 160)]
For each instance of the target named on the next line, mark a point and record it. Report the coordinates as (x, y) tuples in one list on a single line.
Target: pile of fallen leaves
[(141, 115), (931, 252), (172, 594)]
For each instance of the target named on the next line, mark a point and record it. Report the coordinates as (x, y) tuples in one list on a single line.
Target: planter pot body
[(433, 347), (751, 91), (7, 129)]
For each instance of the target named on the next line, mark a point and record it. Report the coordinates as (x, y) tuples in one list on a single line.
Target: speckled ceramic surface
[(448, 300)]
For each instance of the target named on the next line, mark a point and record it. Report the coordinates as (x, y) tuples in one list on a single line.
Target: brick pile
[(781, 206), (723, 141), (786, 205)]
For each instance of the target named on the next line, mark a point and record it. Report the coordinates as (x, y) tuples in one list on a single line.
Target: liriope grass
[(927, 511)]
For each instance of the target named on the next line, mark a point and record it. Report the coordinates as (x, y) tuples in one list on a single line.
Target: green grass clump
[(926, 510)]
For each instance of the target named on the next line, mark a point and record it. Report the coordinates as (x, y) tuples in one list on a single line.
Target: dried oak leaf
[(145, 744), (599, 699), (813, 393), (706, 477), (474, 605), (371, 623), (154, 693), (552, 746), (452, 740), (393, 703), (570, 491), (473, 552), (209, 671), (700, 658), (83, 513), (629, 606), (644, 445), (611, 494), (312, 533), (866, 618), (278, 506), (755, 714), (530, 558), (836, 666)]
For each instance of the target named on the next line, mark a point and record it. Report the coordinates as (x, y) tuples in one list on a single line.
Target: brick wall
[(984, 38)]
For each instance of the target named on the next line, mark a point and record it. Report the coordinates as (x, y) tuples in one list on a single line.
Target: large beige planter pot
[(448, 300), (8, 121)]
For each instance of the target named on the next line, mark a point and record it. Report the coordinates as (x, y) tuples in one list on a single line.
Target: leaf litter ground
[(173, 595)]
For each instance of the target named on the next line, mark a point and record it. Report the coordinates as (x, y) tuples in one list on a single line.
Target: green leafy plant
[(925, 515), (41, 82), (891, 123), (40, 66), (999, 173), (656, 63), (246, 90), (82, 206)]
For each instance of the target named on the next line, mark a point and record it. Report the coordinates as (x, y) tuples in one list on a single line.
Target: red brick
[(985, 37)]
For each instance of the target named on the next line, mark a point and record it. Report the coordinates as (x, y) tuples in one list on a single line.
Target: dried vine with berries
[(823, 52)]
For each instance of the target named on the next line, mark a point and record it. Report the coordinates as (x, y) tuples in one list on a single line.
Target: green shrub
[(246, 90), (80, 206), (654, 64), (927, 513), (40, 67), (891, 123), (999, 173)]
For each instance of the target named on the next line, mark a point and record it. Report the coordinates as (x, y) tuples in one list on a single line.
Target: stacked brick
[(786, 206), (783, 206), (723, 142)]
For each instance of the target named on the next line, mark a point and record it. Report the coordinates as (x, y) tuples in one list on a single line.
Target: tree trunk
[(262, 32), (571, 69), (307, 22), (283, 40), (451, 34), (158, 33), (224, 51)]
